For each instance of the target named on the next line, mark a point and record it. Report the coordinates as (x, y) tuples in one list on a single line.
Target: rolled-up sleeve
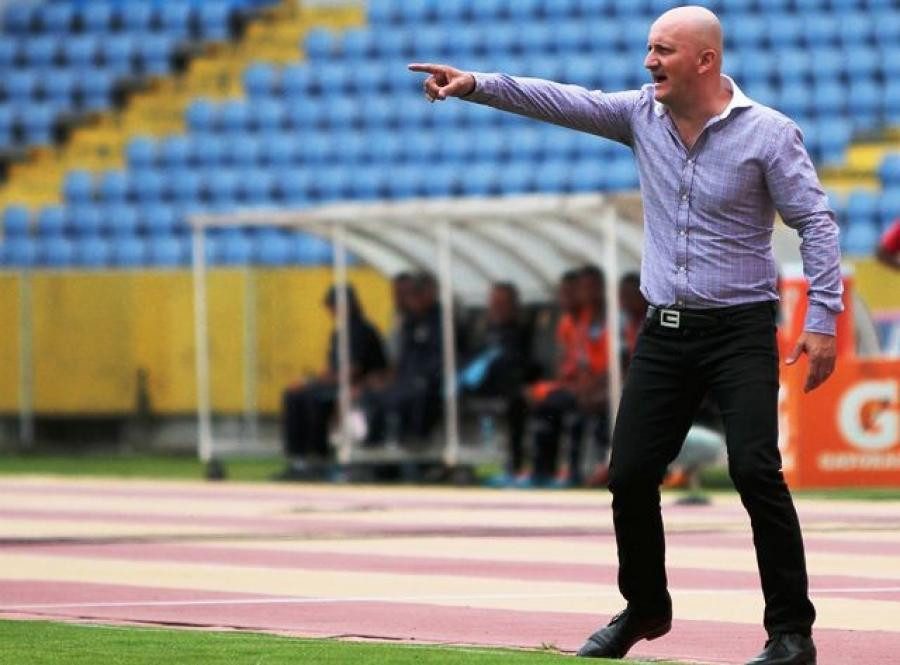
[(803, 205), (604, 114)]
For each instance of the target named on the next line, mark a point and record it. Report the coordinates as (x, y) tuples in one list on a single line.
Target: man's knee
[(634, 476), (749, 474)]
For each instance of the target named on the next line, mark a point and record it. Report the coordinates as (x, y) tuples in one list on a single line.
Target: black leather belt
[(682, 318), (698, 319)]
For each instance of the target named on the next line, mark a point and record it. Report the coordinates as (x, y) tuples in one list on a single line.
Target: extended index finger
[(426, 67)]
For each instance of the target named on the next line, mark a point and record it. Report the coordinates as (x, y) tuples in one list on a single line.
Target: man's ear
[(707, 60)]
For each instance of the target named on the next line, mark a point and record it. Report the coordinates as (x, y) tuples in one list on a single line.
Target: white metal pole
[(26, 369), (201, 345), (345, 451), (251, 419), (613, 316), (451, 405)]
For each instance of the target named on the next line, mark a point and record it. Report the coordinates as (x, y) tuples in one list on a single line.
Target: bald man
[(714, 168)]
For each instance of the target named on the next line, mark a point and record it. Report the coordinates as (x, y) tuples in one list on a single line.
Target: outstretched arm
[(595, 112)]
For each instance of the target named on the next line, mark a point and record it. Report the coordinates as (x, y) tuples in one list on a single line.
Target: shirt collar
[(738, 100)]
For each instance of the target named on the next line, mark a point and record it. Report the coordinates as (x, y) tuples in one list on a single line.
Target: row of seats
[(270, 248), (411, 112), (40, 56), (207, 20), (228, 189), (769, 32), (612, 72), (65, 90), (423, 11)]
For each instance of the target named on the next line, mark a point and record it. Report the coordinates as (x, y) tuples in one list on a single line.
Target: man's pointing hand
[(444, 81)]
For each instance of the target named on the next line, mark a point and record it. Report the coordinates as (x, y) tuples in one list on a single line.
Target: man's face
[(501, 307), (403, 294), (591, 291), (672, 61)]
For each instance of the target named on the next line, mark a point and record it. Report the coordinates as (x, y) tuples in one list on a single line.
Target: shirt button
[(680, 303), (690, 161), (682, 232), (680, 268), (684, 197)]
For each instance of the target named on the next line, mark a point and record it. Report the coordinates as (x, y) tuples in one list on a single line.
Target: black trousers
[(306, 413), (736, 361)]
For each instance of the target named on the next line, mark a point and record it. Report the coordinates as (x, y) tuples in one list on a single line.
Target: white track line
[(397, 599)]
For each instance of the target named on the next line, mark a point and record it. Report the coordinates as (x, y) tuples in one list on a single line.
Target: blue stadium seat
[(255, 187), (51, 221), (889, 170), (95, 87), (206, 149), (828, 66), (312, 250), (78, 187), (95, 16), (784, 30), (329, 183), (834, 137), (135, 16), (296, 81), (15, 221), (357, 44), (622, 175), (56, 252), (487, 10), (891, 102), (141, 153), (174, 152), (293, 186), (350, 146), (20, 85), (214, 21), (551, 175), (862, 63), (41, 50), (830, 99), (267, 115), (18, 252), (744, 31), (368, 183), (273, 249), (889, 205), (479, 179), (148, 185), (887, 28), (822, 29), (168, 251), (234, 116), (80, 50), (118, 52), (154, 54), (233, 250), (129, 252), (524, 10), (860, 238), (862, 208), (158, 220), (220, 186), (37, 119), (403, 181), (92, 252), (202, 116), (278, 150), (855, 29), (515, 178), (174, 17), (84, 220), (19, 18), (794, 65), (242, 151), (114, 187), (795, 100), (56, 17), (305, 114), (185, 185), (320, 44), (260, 80), (119, 220)]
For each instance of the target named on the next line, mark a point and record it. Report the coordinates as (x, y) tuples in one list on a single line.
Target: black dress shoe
[(787, 649), (623, 631)]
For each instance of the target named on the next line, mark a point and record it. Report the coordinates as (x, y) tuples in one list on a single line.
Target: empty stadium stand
[(347, 122)]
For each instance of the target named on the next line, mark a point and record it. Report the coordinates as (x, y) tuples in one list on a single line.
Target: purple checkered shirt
[(708, 211)]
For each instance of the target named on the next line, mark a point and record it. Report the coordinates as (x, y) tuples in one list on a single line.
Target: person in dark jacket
[(308, 407), (410, 404)]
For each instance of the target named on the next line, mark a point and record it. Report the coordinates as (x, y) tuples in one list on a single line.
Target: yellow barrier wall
[(878, 285), (93, 331), (9, 342)]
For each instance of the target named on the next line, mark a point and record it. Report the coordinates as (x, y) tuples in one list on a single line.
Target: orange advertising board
[(847, 431)]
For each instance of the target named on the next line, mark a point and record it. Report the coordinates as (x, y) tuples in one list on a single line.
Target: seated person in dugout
[(580, 387), (501, 364), (308, 407), (409, 405)]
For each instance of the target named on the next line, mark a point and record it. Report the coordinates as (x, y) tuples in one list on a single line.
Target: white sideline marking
[(395, 599)]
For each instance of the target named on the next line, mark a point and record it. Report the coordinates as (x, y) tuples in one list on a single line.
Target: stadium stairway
[(274, 36)]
